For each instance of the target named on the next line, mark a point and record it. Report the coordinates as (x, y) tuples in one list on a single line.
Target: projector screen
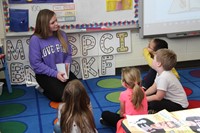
[(158, 17)]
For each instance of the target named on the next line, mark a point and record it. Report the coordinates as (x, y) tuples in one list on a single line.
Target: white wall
[(185, 48)]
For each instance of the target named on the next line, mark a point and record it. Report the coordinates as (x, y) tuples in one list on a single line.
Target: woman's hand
[(60, 76)]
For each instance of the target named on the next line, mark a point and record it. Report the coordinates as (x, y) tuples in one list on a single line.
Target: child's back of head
[(160, 44), (167, 58), (76, 108), (132, 77)]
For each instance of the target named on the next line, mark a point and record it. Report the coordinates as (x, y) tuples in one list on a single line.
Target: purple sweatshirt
[(44, 54)]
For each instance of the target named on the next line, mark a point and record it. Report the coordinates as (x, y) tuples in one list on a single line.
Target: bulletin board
[(87, 13)]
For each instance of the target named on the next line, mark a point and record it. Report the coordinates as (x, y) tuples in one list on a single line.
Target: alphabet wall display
[(89, 45), (21, 73), (93, 55), (89, 67), (75, 42), (76, 68), (102, 43), (106, 64)]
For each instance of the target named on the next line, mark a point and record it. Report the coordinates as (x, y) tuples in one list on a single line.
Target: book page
[(190, 118), (64, 67), (167, 122)]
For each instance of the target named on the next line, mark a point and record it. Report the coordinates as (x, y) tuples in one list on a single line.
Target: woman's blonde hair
[(132, 77), (76, 108), (42, 27)]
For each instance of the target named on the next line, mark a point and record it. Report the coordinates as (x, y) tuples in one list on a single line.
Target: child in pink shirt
[(132, 101)]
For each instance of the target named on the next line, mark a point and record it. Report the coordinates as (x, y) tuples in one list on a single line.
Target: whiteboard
[(86, 12), (178, 18)]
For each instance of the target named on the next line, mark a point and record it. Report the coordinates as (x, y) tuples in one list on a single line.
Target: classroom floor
[(27, 111)]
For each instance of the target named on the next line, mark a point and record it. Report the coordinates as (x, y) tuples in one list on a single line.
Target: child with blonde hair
[(148, 52), (132, 101), (167, 91), (75, 113)]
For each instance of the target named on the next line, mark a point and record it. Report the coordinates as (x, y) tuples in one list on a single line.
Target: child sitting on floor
[(167, 91), (132, 101), (148, 52), (75, 113)]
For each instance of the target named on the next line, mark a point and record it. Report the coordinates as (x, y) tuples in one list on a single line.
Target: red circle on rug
[(195, 73), (193, 104), (188, 91)]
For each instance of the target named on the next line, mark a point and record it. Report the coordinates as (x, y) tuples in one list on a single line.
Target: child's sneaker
[(54, 105)]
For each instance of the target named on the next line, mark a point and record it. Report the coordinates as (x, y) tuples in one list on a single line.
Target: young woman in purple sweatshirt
[(49, 46)]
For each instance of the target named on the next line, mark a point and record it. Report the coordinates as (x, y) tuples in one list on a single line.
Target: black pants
[(164, 104), (111, 118), (53, 88), (149, 78)]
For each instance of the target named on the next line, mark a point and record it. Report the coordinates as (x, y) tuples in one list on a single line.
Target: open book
[(164, 121), (64, 67)]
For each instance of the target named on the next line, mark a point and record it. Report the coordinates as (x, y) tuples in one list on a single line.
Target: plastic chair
[(6, 72)]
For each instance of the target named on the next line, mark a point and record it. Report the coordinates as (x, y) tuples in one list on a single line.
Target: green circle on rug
[(113, 97), (110, 83), (11, 109), (15, 94), (13, 127)]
